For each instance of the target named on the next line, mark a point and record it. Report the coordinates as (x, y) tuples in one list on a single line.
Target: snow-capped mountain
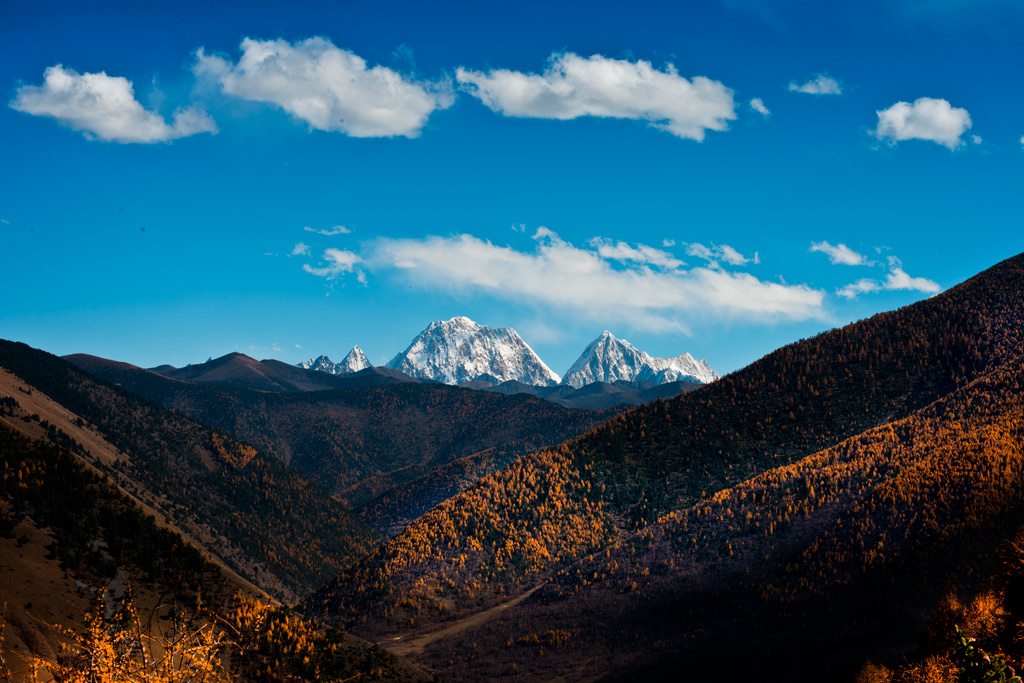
[(322, 364), (355, 361), (459, 350), (608, 359)]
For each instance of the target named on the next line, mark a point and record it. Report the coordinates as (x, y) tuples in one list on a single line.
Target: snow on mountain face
[(355, 361), (459, 350), (321, 364), (608, 359)]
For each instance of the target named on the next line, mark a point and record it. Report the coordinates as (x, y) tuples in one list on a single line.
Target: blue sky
[(289, 180)]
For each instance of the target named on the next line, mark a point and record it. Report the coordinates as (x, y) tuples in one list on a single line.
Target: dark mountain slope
[(239, 370), (808, 570), (66, 532), (808, 395), (264, 521), (597, 395), (407, 494), (355, 441), (552, 507)]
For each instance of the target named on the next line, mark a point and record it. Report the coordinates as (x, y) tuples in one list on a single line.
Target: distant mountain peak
[(460, 350), (355, 361), (608, 359)]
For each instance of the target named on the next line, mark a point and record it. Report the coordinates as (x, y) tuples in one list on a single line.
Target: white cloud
[(731, 256), (819, 85), (573, 86), (329, 88), (336, 230), (716, 253), (976, 139), (926, 119), (898, 279), (300, 250), (586, 283), (1022, 141), (104, 108), (840, 254), (895, 279), (668, 243), (758, 105), (862, 286), (640, 254), (700, 251), (338, 261)]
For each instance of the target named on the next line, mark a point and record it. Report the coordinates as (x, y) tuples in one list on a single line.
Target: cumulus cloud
[(338, 261), (819, 85), (590, 284), (573, 86), (716, 253), (758, 105), (926, 119), (895, 279), (336, 230), (104, 108), (840, 254), (329, 88), (300, 250)]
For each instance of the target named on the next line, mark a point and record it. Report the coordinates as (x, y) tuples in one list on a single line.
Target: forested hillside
[(246, 507), (118, 597), (361, 443), (815, 567), (551, 508)]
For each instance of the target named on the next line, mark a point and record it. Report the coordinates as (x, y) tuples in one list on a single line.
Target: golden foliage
[(248, 640)]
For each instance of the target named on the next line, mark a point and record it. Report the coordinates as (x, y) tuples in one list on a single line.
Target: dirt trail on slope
[(414, 644)]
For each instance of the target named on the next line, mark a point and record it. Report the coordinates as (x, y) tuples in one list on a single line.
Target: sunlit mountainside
[(553, 508)]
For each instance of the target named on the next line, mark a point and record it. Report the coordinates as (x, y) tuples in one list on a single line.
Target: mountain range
[(460, 351), (352, 363), (608, 359), (375, 439), (584, 511), (830, 512)]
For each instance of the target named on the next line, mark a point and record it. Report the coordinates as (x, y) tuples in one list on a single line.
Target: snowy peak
[(322, 364), (355, 361), (460, 350), (608, 359)]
